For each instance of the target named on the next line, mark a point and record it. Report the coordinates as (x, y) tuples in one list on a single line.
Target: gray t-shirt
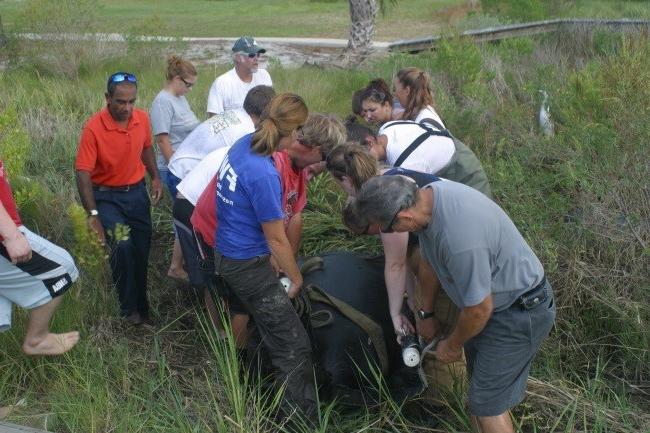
[(476, 249), (171, 115)]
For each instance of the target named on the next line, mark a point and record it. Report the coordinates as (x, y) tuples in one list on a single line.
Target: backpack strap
[(429, 132), (434, 123), (369, 326), (409, 150)]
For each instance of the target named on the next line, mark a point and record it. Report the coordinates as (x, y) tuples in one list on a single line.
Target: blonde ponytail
[(284, 114)]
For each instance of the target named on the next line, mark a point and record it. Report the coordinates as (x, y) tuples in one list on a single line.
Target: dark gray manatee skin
[(342, 349)]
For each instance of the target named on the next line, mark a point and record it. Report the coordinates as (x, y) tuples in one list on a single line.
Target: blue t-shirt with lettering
[(248, 194)]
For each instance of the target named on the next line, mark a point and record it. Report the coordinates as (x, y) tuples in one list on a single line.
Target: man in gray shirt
[(487, 269)]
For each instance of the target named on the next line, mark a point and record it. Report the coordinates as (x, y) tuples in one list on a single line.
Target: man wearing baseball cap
[(229, 90)]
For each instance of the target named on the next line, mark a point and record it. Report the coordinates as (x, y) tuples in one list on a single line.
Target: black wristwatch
[(424, 315)]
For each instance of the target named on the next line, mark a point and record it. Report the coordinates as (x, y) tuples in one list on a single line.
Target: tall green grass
[(580, 198)]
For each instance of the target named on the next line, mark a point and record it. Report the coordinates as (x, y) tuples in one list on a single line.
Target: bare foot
[(52, 344), (178, 274)]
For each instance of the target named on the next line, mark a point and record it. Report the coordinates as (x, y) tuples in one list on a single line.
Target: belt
[(534, 297), (121, 188)]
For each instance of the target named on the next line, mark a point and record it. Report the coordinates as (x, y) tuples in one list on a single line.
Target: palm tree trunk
[(362, 16)]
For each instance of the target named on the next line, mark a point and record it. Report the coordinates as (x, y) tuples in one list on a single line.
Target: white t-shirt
[(429, 113), (221, 130), (431, 156), (192, 186), (228, 91)]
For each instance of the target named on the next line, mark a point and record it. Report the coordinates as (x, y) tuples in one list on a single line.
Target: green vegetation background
[(581, 199), (314, 18)]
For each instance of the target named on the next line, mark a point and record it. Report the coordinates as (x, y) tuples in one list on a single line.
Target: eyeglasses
[(120, 77), (187, 83), (251, 55), (389, 227)]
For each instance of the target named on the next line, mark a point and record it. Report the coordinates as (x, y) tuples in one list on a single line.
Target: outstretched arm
[(395, 269)]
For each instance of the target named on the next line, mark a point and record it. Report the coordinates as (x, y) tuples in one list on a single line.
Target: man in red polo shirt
[(34, 273), (114, 151)]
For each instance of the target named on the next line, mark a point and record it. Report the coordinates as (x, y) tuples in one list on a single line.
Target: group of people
[(239, 184)]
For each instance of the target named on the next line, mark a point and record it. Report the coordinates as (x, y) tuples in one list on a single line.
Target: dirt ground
[(287, 54)]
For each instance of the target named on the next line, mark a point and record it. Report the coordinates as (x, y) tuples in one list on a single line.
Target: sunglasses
[(251, 55), (187, 83), (389, 227), (120, 77)]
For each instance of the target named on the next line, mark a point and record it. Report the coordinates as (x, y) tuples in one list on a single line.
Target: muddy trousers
[(282, 334)]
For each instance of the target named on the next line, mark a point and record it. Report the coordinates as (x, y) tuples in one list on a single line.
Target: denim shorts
[(499, 357)]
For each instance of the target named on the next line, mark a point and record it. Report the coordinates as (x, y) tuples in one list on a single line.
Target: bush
[(14, 142)]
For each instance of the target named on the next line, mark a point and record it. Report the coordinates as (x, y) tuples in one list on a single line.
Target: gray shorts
[(499, 358), (48, 274)]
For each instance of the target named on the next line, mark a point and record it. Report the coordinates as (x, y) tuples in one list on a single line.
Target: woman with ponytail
[(172, 120), (412, 87), (249, 232)]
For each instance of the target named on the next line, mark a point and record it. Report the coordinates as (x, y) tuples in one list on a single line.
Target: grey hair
[(382, 197), (352, 219)]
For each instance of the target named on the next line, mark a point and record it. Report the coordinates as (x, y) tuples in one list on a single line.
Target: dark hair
[(420, 96), (352, 218), (357, 102), (112, 84), (357, 132), (285, 114), (257, 99), (377, 91)]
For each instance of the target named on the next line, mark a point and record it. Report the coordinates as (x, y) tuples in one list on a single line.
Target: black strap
[(429, 132), (427, 126), (372, 329), (407, 152), (434, 123)]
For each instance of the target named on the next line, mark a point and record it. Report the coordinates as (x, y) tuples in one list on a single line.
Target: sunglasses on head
[(120, 77)]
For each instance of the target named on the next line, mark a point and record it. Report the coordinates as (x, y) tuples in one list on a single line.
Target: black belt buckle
[(123, 188), (534, 297)]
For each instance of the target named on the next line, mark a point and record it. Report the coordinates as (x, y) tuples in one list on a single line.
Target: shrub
[(14, 142)]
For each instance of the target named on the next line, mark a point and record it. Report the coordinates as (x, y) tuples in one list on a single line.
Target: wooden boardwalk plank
[(517, 30), (6, 427)]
